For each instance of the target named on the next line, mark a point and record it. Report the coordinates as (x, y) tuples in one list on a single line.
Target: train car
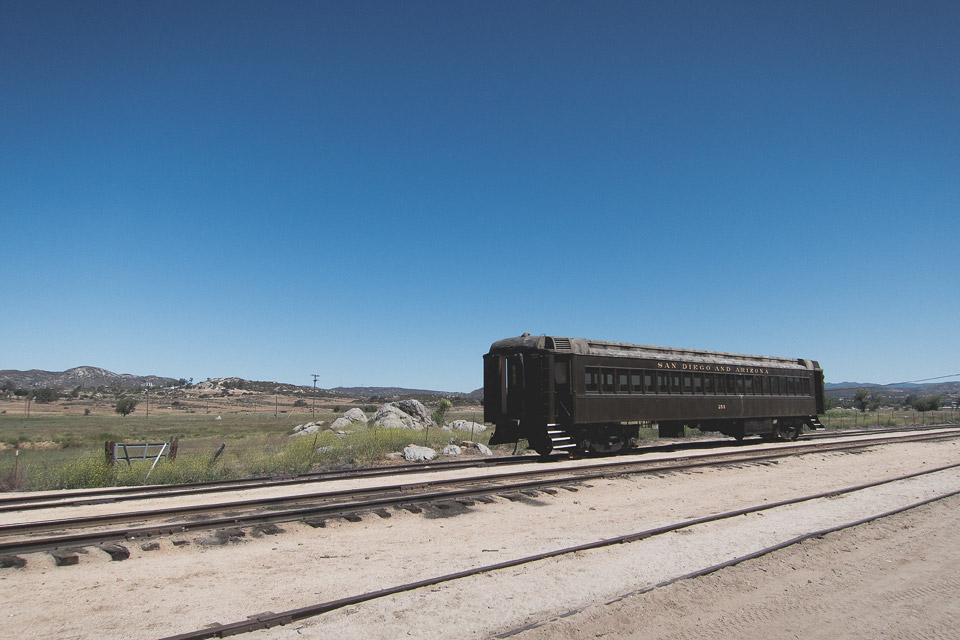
[(588, 395)]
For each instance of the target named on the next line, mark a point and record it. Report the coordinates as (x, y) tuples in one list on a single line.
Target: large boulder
[(356, 415), (466, 425), (479, 446), (417, 411), (415, 453), (483, 449), (390, 417), (405, 414), (350, 418)]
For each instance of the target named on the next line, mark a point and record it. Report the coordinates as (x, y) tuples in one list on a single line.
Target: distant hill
[(86, 377), (93, 377), (388, 392), (843, 393), (845, 385), (930, 388)]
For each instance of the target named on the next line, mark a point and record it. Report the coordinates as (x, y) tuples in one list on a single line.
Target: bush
[(44, 396), (125, 406), (927, 403)]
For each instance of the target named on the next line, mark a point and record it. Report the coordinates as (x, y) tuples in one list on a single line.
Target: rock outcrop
[(350, 418), (310, 427), (405, 414), (466, 425), (415, 453)]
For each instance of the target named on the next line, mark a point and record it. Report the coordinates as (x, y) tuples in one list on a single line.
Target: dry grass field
[(62, 444)]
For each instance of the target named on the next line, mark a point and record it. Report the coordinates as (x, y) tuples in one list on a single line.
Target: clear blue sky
[(376, 191)]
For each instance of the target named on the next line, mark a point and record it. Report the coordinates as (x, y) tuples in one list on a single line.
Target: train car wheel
[(542, 445), (788, 431)]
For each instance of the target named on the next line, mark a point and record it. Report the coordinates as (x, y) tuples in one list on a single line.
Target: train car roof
[(582, 346)]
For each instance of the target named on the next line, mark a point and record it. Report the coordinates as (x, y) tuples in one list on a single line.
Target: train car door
[(513, 380), (562, 409)]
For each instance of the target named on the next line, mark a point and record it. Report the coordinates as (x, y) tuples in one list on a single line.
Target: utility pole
[(148, 401), (313, 412)]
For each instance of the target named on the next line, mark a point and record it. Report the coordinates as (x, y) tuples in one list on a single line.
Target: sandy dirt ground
[(898, 577), (846, 584)]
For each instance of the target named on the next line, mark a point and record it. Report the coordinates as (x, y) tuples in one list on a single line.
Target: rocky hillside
[(86, 377)]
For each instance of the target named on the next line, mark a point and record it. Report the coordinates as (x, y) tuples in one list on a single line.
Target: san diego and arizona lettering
[(712, 368)]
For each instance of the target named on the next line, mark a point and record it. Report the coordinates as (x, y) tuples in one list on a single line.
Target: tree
[(125, 406), (44, 396), (861, 399), (440, 413), (927, 403)]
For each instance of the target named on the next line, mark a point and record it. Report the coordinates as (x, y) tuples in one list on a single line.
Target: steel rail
[(399, 495), (814, 435), (129, 493), (611, 466), (270, 619), (120, 494)]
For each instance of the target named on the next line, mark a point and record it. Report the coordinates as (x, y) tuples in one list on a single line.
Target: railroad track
[(120, 494), (271, 619), (83, 497), (318, 507)]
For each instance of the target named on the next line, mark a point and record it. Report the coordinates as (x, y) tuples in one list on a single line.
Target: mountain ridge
[(90, 377), (83, 376)]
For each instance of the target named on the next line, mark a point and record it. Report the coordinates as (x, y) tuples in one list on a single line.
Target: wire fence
[(852, 419)]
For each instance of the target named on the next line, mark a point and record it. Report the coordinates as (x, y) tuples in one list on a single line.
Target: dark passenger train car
[(588, 395)]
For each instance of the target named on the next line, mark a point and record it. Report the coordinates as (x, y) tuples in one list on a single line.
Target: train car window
[(513, 369), (708, 383), (688, 383), (766, 385), (791, 386), (636, 384), (648, 385), (623, 381), (560, 372), (731, 384), (777, 385), (739, 380), (606, 381), (748, 385), (663, 386), (674, 383), (698, 384), (806, 386), (592, 381)]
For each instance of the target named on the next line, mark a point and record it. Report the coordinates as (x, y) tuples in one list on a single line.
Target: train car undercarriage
[(612, 438)]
